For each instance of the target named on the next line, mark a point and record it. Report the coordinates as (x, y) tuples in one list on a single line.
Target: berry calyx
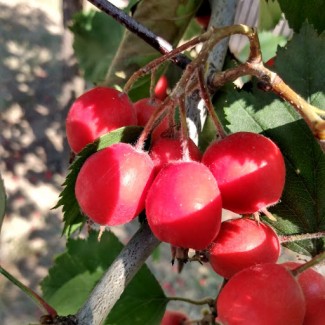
[(242, 243), (112, 184), (183, 205), (165, 150), (264, 294), (173, 318), (96, 112), (249, 169)]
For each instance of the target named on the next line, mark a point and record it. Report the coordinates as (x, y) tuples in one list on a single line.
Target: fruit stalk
[(117, 277)]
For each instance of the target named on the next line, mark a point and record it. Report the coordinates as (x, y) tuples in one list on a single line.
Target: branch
[(117, 277), (140, 30)]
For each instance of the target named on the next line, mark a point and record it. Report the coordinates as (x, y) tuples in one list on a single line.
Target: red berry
[(242, 243), (265, 294), (270, 63), (313, 287), (166, 150), (249, 169), (96, 112), (203, 20), (161, 88), (183, 205), (112, 184), (144, 108), (173, 318)]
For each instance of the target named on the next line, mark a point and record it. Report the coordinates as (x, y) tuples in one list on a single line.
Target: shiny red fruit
[(96, 112), (183, 205), (242, 243), (249, 169), (161, 87), (313, 287), (112, 184), (173, 318), (265, 294)]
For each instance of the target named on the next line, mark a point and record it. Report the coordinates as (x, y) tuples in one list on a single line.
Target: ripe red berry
[(144, 108), (161, 88), (173, 318), (242, 243), (183, 205), (313, 287), (96, 112), (270, 63), (265, 294), (112, 184), (249, 169), (166, 150)]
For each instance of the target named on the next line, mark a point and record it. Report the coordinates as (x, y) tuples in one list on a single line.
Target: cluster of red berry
[(183, 199)]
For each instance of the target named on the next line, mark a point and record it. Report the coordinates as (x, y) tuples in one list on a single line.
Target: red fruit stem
[(292, 238), (318, 259), (207, 100), (154, 119), (184, 130), (30, 293)]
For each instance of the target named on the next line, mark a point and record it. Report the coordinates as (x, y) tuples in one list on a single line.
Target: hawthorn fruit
[(183, 205), (96, 112), (112, 184), (242, 243), (249, 169), (172, 317), (161, 87), (264, 294)]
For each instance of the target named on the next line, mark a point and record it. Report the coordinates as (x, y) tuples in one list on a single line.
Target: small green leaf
[(77, 271), (96, 39), (270, 14), (3, 199), (298, 11), (72, 215)]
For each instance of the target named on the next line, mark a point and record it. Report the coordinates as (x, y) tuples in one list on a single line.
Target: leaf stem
[(205, 301), (38, 300)]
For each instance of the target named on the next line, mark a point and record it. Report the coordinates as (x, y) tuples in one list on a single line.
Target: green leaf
[(72, 215), (302, 206), (96, 40), (3, 199), (298, 11), (77, 271), (269, 15)]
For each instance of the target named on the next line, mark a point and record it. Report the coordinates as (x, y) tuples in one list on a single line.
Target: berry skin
[(96, 112), (249, 169), (242, 243), (183, 205), (313, 287), (173, 318), (166, 150), (265, 294), (112, 184), (144, 108), (161, 87)]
